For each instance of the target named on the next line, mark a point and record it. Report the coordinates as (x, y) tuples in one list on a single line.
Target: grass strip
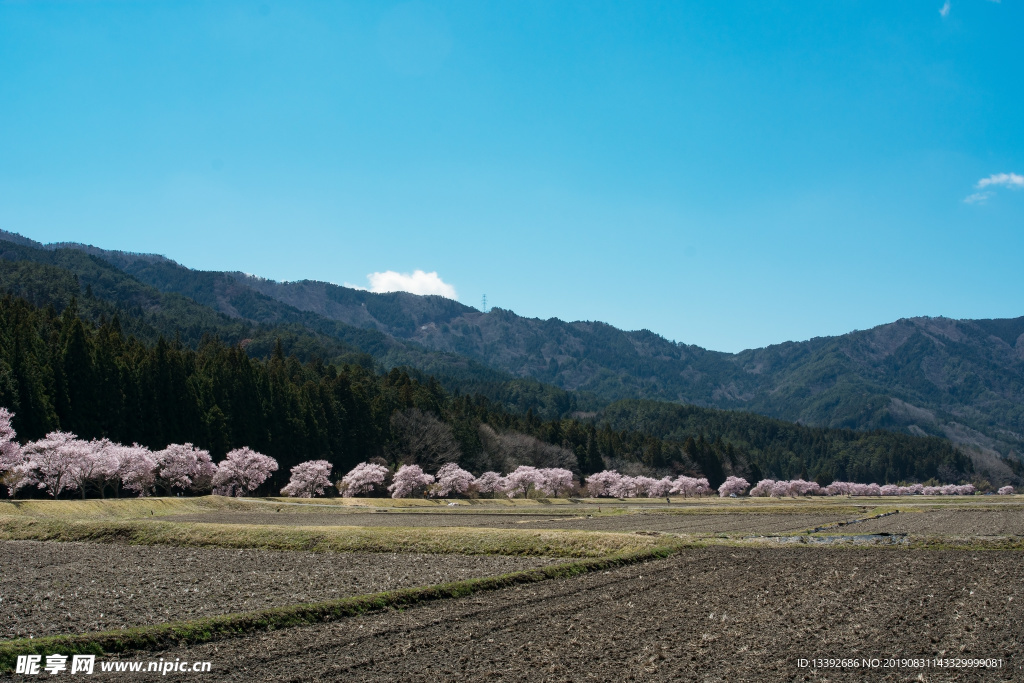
[(233, 625), (442, 540), (966, 543)]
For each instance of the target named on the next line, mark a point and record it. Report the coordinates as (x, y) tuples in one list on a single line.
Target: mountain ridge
[(959, 379)]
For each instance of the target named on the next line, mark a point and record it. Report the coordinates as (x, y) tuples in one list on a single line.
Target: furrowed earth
[(714, 614), (53, 588), (749, 587)]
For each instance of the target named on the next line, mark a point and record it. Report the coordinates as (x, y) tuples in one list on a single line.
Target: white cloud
[(1010, 180), (945, 9), (1002, 180), (416, 282), (977, 197)]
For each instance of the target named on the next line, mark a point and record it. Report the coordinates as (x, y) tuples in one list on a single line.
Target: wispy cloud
[(978, 197), (1010, 180), (944, 11), (416, 282)]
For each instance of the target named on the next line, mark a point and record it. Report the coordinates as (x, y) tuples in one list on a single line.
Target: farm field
[(951, 522), (80, 587), (660, 521), (702, 589), (710, 614)]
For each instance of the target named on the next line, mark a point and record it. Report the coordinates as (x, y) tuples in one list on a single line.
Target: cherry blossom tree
[(135, 467), (93, 469), (643, 484), (489, 482), (308, 479), (625, 487), (556, 480), (409, 479), (733, 486), (185, 467), (524, 479), (600, 485), (1005, 491), (690, 486), (362, 478), (242, 471), (659, 488), (10, 451), (52, 463), (451, 479)]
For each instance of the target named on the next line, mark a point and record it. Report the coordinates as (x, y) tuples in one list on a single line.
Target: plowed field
[(714, 614), (52, 588), (995, 522)]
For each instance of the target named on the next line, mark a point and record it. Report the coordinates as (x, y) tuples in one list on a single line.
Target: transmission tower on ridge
[(484, 306)]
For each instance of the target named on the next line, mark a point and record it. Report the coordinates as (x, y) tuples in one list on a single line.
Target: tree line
[(64, 371)]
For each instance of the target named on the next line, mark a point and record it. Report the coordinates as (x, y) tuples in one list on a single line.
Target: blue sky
[(728, 174)]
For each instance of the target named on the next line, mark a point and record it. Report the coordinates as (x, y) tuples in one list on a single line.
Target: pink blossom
[(451, 479), (53, 463), (409, 479), (362, 478), (733, 486), (490, 482), (10, 451), (600, 485), (94, 468), (659, 488), (1005, 491), (135, 467), (185, 467), (242, 471), (763, 488), (643, 484), (844, 488), (308, 479), (690, 486), (555, 480), (627, 487), (524, 479), (799, 487)]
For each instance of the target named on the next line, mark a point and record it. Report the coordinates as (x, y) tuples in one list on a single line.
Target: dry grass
[(448, 540)]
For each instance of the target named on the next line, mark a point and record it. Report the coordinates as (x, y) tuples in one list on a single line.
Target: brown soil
[(690, 523), (51, 588), (713, 614), (1005, 522)]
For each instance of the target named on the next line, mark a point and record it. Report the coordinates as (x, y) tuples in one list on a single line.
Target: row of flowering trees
[(62, 462), (452, 480), (799, 487)]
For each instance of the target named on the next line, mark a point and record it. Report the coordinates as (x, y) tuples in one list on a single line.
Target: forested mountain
[(63, 371), (962, 380), (238, 315)]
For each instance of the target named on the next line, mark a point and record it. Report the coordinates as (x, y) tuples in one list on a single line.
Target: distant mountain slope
[(155, 296), (960, 379)]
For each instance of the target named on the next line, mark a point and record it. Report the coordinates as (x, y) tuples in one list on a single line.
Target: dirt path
[(715, 614)]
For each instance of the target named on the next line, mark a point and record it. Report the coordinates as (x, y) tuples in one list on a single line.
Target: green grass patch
[(231, 625), (119, 508), (445, 540)]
